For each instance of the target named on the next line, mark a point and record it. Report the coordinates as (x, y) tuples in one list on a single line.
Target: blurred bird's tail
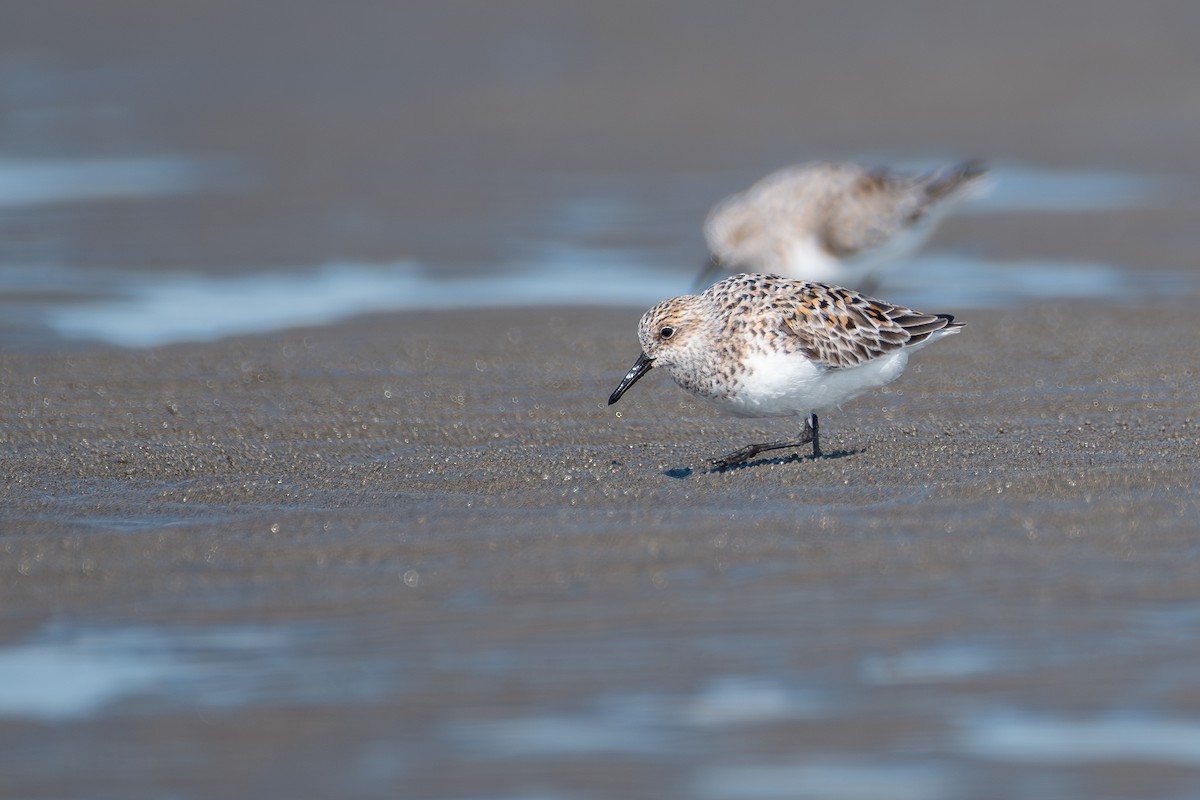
[(946, 182)]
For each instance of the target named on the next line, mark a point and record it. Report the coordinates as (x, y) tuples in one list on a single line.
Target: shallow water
[(65, 675), (32, 182), (721, 708), (151, 312), (561, 260)]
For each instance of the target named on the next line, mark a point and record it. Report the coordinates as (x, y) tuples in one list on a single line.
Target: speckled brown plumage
[(762, 345)]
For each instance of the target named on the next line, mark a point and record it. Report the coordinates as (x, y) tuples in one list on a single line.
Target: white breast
[(788, 384)]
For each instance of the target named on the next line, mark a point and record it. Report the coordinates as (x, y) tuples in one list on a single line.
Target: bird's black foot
[(739, 456), (808, 435)]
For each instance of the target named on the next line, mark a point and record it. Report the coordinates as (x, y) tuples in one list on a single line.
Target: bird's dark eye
[(667, 332)]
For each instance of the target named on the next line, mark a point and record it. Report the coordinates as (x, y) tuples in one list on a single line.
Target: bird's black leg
[(712, 269), (809, 434)]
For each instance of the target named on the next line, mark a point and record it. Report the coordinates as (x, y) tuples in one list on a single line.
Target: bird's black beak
[(639, 368)]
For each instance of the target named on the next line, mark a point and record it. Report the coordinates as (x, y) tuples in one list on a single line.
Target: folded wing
[(841, 328)]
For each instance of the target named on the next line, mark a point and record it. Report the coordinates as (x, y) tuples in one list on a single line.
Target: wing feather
[(841, 328)]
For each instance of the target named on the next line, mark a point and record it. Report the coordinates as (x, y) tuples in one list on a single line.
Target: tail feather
[(935, 324), (951, 326), (947, 182)]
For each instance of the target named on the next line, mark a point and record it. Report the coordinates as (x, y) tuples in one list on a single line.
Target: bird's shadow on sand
[(687, 472)]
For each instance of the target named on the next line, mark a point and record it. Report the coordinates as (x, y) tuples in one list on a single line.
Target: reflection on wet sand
[(148, 309)]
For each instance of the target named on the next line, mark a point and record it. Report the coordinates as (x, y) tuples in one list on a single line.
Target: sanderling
[(838, 223), (765, 346)]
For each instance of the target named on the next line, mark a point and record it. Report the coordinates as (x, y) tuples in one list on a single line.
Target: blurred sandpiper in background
[(308, 314), (173, 175)]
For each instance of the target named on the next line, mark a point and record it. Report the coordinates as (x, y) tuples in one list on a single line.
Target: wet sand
[(445, 504)]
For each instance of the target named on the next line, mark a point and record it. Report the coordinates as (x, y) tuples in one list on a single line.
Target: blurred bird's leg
[(712, 268)]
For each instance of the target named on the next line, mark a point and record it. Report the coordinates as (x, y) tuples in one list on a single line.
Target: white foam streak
[(175, 308), (43, 181), (1030, 739)]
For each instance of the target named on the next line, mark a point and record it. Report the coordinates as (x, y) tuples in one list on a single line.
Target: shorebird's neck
[(706, 362)]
